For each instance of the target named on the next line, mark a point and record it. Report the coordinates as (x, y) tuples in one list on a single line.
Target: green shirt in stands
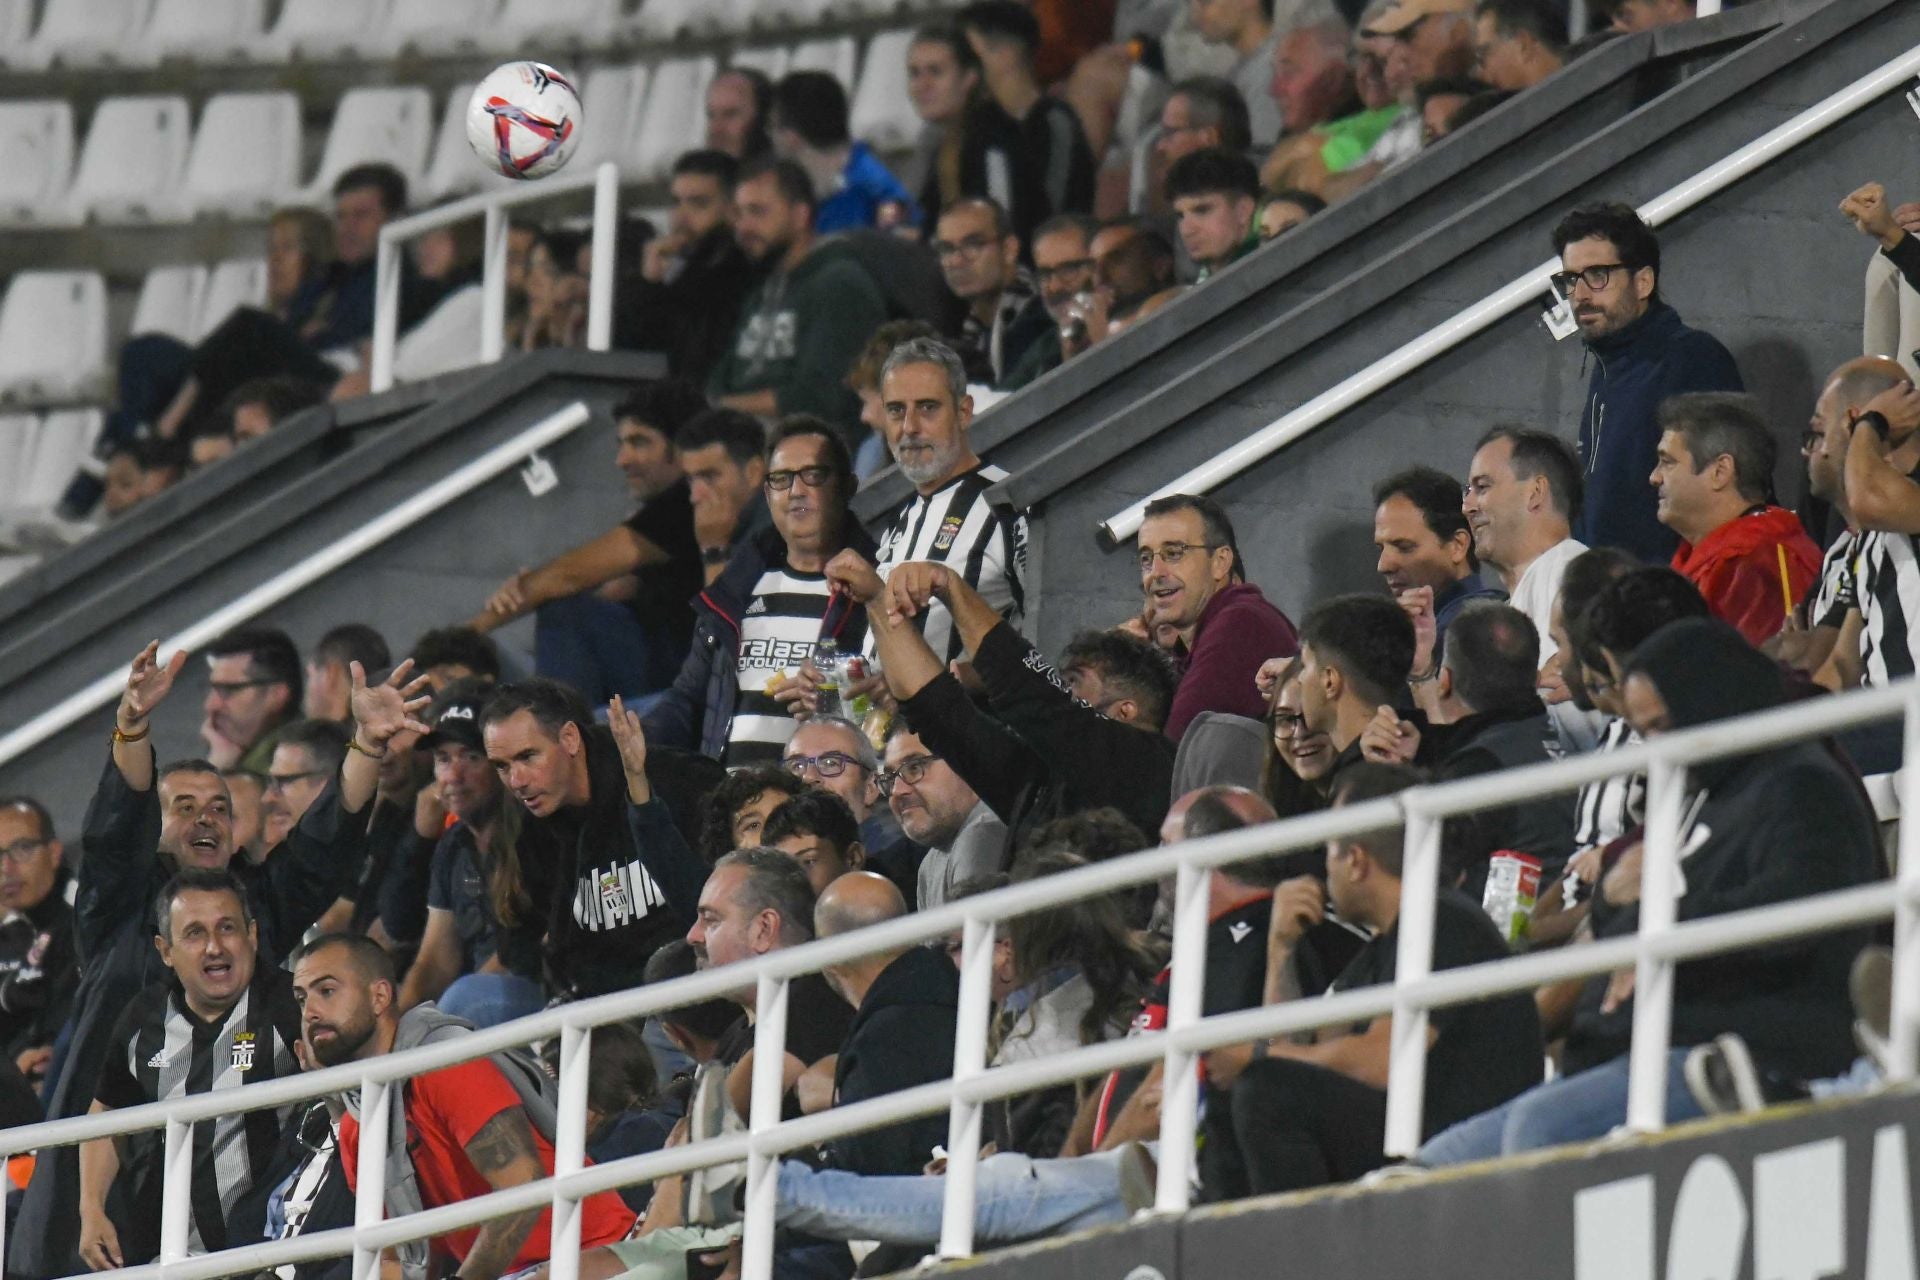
[(799, 333), (1349, 138)]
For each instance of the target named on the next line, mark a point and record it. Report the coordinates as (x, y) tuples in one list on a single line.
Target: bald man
[(905, 1003)]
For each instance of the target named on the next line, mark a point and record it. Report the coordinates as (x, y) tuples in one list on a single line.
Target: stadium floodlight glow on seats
[(1526, 288), (1660, 944)]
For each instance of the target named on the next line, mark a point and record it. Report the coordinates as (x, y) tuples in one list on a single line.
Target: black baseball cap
[(455, 716)]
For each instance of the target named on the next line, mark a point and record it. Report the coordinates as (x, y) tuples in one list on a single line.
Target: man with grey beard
[(923, 390)]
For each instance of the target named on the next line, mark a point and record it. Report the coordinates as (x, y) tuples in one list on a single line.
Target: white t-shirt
[(1534, 595)]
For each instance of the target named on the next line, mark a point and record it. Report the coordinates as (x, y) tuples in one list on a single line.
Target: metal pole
[(570, 1150), (386, 311), (176, 1191), (493, 284), (1180, 1085), (1653, 976), (1419, 894), (763, 1171), (370, 1175), (969, 1060), (1904, 1025), (606, 238)]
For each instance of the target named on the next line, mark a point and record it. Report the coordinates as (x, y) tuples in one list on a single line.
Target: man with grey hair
[(949, 520), (834, 754)]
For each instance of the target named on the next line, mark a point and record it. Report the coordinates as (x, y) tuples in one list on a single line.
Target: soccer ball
[(523, 121)]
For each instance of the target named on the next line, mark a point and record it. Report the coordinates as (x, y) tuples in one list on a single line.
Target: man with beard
[(458, 1133), (687, 299), (222, 1021), (802, 326)]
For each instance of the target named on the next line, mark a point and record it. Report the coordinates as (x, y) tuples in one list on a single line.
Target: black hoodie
[(1770, 827)]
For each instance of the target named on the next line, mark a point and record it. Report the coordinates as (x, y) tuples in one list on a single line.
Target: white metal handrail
[(470, 476), (492, 206), (1654, 951), (1525, 288)]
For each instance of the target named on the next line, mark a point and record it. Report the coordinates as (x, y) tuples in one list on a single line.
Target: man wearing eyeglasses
[(1641, 354), (38, 971), (1006, 319), (831, 754), (254, 686), (308, 754)]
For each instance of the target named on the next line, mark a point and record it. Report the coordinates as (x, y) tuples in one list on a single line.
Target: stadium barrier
[(492, 206), (1660, 944), (1529, 287)]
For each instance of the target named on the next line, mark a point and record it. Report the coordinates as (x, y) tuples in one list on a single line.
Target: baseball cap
[(1407, 12), (455, 716)]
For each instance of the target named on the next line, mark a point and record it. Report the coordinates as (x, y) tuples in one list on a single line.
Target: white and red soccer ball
[(524, 120)]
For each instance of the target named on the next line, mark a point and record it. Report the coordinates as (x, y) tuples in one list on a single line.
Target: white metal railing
[(1525, 288), (492, 206), (297, 577), (1654, 951)]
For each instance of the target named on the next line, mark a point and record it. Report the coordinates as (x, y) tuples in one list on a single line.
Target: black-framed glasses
[(21, 850), (815, 477), (1288, 725), (1062, 270), (912, 771), (1594, 277), (227, 688), (281, 781), (1171, 553), (828, 764)]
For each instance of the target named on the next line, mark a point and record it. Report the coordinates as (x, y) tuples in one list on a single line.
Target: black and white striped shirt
[(1837, 589), (778, 632), (1889, 606), (957, 526), (164, 1050), (1608, 809)]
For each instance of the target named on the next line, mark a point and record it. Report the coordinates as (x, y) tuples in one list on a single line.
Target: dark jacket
[(39, 973), (902, 1035), (113, 934), (997, 160), (618, 879), (691, 317), (1238, 630), (695, 712), (798, 333), (1487, 742), (1042, 754), (1633, 371)]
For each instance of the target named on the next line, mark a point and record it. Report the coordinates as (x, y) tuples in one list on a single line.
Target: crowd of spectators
[(750, 722)]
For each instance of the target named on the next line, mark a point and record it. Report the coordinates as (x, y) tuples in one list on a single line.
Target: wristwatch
[(1876, 420)]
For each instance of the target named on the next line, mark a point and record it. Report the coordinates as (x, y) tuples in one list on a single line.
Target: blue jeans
[(1574, 1108), (1016, 1198), (489, 999), (601, 648)]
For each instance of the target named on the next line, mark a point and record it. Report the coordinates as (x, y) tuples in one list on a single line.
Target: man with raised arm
[(144, 824)]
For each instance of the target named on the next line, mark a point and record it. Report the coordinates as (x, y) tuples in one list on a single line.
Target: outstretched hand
[(148, 684), (631, 738), (383, 711)]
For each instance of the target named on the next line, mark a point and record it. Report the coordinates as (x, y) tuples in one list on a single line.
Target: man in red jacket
[(1714, 470)]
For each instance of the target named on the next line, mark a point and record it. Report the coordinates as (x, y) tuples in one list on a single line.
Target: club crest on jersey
[(613, 895), (243, 1051), (949, 530)]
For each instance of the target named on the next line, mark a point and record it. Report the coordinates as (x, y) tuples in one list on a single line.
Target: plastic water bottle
[(827, 661)]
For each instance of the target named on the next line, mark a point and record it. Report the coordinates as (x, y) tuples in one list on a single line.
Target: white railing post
[(969, 1060), (1904, 1025), (1180, 1083), (370, 1174), (176, 1191), (763, 1171), (386, 311), (1419, 894), (1653, 975), (493, 284), (570, 1150), (606, 241)]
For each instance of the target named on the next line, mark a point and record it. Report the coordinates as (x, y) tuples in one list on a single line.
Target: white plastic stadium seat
[(245, 160), (439, 26), (675, 114), (16, 27), (19, 432), (323, 29), (770, 62), (53, 337), (388, 126), (205, 31), (453, 169), (170, 301), (36, 154), (611, 101), (837, 57), (60, 441), (87, 33), (666, 19), (234, 283), (133, 160), (882, 110), (560, 24)]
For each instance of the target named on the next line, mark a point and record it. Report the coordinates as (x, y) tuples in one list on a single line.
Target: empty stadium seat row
[(38, 456), (144, 162), (133, 33)]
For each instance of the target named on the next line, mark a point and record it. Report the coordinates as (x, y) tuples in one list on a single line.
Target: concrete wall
[(1768, 266)]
